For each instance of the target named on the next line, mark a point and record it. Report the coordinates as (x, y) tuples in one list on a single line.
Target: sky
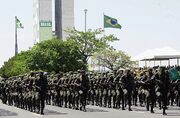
[(146, 24)]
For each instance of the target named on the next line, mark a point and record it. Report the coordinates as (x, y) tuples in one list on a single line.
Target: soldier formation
[(121, 89), (68, 90), (152, 87), (27, 92)]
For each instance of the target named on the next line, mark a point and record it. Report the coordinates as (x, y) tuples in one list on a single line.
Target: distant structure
[(42, 16), (43, 23), (64, 17)]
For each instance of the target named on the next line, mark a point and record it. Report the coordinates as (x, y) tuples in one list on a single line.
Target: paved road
[(92, 112)]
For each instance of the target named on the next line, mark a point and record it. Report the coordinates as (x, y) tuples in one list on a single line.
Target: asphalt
[(92, 112)]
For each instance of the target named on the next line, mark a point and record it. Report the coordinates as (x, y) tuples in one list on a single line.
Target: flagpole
[(103, 25), (16, 44), (103, 36), (85, 12)]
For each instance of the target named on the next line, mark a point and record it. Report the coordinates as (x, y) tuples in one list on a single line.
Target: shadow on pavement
[(51, 112), (138, 109), (7, 113), (173, 108), (95, 110), (171, 114)]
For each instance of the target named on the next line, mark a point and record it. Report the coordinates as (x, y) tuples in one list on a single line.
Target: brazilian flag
[(18, 23), (174, 74), (110, 22)]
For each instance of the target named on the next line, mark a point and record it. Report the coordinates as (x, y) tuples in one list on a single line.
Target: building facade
[(42, 15), (64, 17)]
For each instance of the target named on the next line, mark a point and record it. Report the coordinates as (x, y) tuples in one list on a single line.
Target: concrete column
[(145, 63), (178, 61), (169, 62), (160, 63)]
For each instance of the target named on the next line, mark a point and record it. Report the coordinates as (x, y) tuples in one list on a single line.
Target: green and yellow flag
[(18, 23), (174, 74), (110, 22)]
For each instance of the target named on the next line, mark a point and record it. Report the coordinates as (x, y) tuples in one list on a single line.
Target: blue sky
[(146, 24)]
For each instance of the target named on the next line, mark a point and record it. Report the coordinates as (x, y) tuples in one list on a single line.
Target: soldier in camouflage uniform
[(177, 92), (164, 87), (42, 89), (128, 81)]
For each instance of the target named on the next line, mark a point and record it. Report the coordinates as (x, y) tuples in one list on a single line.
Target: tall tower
[(42, 15), (64, 17)]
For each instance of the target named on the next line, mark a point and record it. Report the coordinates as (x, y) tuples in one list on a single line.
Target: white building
[(42, 15), (64, 17)]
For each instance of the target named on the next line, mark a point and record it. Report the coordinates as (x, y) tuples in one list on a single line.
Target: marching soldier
[(177, 93), (42, 86), (165, 82), (128, 81), (150, 82), (84, 87)]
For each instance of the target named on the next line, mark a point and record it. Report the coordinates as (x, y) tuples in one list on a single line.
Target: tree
[(51, 56), (90, 42), (112, 59), (15, 65), (55, 55)]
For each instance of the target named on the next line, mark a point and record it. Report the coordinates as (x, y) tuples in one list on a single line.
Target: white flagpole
[(103, 36), (16, 44), (103, 24)]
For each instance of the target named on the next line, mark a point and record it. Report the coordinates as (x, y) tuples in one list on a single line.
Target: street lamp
[(85, 11)]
